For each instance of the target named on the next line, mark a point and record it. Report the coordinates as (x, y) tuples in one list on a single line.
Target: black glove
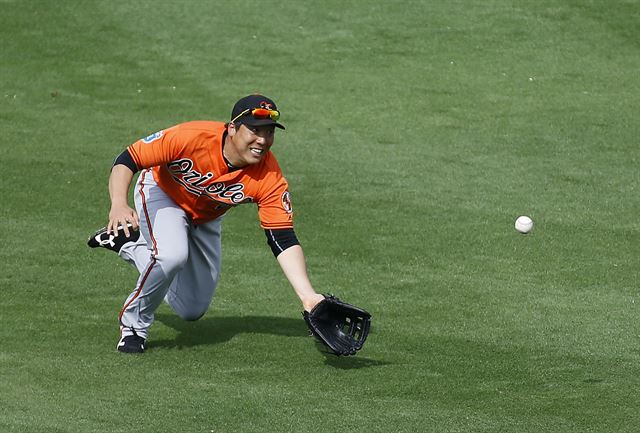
[(342, 327)]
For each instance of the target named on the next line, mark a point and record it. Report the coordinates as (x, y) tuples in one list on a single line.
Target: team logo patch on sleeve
[(286, 202), (148, 139)]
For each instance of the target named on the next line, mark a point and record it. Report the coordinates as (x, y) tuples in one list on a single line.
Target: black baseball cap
[(241, 113)]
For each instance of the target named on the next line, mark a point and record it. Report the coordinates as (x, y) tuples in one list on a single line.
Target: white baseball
[(524, 224)]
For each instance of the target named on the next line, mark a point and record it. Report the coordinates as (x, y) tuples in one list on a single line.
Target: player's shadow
[(347, 362), (215, 330)]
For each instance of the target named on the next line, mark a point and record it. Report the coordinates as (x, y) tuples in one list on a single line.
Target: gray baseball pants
[(177, 260)]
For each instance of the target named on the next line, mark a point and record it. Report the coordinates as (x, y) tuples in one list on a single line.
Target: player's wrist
[(311, 301), (119, 203)]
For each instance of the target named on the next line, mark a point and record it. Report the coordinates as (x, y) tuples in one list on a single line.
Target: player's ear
[(231, 129)]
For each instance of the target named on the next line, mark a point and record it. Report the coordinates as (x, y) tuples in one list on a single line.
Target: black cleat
[(131, 344), (111, 242)]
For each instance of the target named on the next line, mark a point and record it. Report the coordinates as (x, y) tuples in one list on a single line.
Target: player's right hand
[(122, 215)]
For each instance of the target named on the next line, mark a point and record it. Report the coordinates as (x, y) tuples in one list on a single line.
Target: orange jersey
[(188, 165)]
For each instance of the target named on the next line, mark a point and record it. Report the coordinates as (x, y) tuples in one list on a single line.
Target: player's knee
[(194, 313)]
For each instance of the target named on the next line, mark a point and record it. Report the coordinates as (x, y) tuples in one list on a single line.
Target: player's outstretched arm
[(294, 267), (121, 213)]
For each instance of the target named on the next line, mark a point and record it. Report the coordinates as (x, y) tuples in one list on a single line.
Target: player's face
[(251, 143)]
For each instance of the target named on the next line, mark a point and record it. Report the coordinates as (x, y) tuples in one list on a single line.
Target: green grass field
[(417, 132)]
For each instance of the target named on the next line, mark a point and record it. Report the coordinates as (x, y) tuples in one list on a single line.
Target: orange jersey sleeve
[(163, 146), (274, 205)]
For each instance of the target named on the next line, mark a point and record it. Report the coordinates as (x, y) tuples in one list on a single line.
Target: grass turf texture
[(416, 133)]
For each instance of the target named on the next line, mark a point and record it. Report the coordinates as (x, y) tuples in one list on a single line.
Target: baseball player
[(190, 175)]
